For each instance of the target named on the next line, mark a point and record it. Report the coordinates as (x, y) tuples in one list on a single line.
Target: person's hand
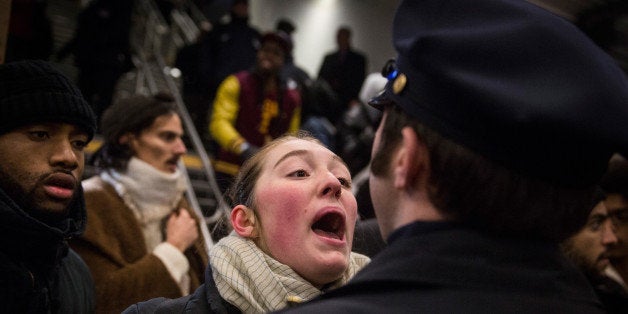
[(181, 230)]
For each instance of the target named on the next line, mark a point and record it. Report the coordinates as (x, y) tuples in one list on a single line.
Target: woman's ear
[(243, 221)]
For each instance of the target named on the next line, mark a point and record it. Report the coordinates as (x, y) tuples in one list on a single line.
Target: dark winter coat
[(38, 272), (229, 48), (441, 268), (345, 73)]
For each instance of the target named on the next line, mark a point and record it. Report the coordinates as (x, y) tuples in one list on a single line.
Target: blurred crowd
[(244, 91)]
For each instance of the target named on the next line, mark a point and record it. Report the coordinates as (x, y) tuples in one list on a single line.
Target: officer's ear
[(243, 221), (411, 162)]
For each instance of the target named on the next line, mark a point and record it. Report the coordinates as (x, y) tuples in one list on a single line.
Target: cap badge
[(400, 83)]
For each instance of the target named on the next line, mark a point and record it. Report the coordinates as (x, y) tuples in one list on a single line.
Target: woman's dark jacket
[(206, 299)]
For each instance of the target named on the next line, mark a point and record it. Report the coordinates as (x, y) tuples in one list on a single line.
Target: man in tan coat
[(141, 242)]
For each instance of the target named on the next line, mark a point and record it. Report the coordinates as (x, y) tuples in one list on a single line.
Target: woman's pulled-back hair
[(483, 194), (130, 115)]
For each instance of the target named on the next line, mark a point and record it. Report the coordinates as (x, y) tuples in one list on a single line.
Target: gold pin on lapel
[(400, 83)]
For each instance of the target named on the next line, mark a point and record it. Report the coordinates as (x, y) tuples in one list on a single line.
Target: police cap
[(512, 81)]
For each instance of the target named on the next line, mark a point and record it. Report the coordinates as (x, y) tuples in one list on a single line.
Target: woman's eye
[(299, 173), (344, 182)]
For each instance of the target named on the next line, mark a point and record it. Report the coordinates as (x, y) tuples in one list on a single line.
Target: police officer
[(499, 118)]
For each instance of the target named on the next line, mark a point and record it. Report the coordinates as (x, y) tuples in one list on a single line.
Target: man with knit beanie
[(44, 126)]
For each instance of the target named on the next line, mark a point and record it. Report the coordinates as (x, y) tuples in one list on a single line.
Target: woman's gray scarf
[(256, 283)]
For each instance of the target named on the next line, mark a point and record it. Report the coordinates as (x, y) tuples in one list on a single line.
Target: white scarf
[(151, 195), (256, 283)]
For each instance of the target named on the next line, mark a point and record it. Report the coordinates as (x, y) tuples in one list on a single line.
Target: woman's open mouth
[(330, 225)]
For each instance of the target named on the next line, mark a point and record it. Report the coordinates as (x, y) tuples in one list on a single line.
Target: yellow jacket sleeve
[(225, 112), (295, 122)]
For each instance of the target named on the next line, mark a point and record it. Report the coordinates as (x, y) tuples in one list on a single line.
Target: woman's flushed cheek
[(283, 209), (283, 223), (351, 208)]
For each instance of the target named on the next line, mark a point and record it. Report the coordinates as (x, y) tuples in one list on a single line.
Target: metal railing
[(155, 43)]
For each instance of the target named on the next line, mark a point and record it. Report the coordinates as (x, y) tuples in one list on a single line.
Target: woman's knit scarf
[(151, 195), (256, 283)]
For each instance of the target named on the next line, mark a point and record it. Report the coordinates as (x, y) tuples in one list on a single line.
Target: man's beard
[(27, 201), (588, 268)]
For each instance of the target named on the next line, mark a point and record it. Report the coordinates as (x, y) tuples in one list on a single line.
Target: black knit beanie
[(33, 91)]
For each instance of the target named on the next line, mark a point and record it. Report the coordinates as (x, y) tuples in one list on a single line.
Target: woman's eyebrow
[(298, 152), (337, 158)]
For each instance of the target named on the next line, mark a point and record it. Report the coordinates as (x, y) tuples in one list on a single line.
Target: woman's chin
[(329, 271)]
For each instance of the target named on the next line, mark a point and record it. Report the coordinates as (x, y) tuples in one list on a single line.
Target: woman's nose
[(332, 186)]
